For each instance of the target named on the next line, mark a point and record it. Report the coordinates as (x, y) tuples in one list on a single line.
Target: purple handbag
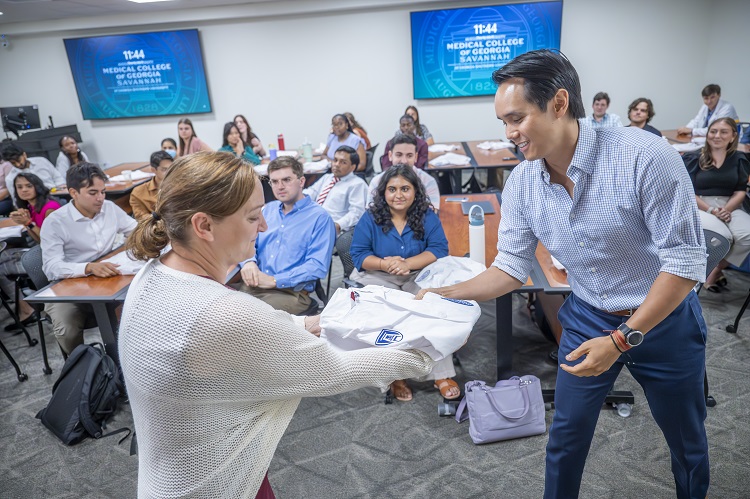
[(513, 408)]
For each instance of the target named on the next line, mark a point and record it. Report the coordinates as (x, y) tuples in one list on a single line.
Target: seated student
[(407, 127), (41, 167), (34, 206), (143, 197), (341, 193), (398, 236), (169, 146), (6, 201), (232, 143), (248, 136), (403, 151), (640, 113), (295, 249), (189, 141), (70, 154), (358, 129), (600, 118), (421, 130), (73, 238), (343, 135), (713, 108)]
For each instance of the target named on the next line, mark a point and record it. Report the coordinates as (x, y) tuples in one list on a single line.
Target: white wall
[(276, 67)]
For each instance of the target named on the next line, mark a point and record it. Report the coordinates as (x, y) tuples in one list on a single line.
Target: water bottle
[(307, 151), (272, 153), (280, 140), (476, 234)]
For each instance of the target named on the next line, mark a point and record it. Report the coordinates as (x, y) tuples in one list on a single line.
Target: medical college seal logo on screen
[(388, 337)]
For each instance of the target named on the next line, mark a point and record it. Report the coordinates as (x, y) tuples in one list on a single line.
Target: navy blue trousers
[(669, 365)]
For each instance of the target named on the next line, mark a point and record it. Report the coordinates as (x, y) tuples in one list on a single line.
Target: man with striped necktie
[(341, 193)]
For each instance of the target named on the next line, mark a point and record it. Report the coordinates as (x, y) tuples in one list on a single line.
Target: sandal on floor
[(446, 384), (713, 288), (401, 390)]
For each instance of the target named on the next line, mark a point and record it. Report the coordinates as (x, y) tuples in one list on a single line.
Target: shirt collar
[(152, 186), (77, 216), (298, 206), (584, 157)]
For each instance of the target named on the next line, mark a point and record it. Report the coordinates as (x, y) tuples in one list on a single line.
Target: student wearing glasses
[(302, 229), (143, 197)]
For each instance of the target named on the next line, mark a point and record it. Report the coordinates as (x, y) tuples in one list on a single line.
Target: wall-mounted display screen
[(139, 74), (454, 52)]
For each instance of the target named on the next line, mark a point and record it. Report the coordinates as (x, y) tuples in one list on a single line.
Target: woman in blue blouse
[(233, 143), (396, 238), (342, 134)]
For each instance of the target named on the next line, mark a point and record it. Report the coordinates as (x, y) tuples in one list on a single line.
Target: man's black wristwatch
[(633, 337)]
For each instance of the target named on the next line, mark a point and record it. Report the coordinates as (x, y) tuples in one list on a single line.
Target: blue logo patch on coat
[(423, 276), (388, 337), (460, 302)]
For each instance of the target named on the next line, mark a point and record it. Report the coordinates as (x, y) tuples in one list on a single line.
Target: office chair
[(343, 243), (369, 165), (32, 263), (315, 307), (733, 328)]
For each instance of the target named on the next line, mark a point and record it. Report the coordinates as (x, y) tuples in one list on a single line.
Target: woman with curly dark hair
[(396, 238)]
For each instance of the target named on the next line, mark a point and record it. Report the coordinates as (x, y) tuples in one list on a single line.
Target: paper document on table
[(127, 265), (261, 169), (557, 264), (442, 147), (12, 231), (320, 148), (134, 175), (686, 147), (292, 153), (316, 166), (450, 158), (494, 146)]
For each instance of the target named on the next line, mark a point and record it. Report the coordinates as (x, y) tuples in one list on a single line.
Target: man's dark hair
[(12, 151), (282, 162), (401, 138), (158, 157), (600, 96), (544, 72), (82, 175), (407, 117), (710, 89), (649, 107), (353, 156)]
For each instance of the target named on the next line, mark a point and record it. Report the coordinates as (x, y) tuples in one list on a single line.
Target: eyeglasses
[(284, 181)]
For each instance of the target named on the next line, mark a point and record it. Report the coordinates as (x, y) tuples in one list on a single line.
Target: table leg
[(106, 319), (504, 319), (456, 181)]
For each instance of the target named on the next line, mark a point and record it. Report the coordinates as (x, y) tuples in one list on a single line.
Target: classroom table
[(673, 137), (117, 192), (479, 159), (104, 294), (456, 227)]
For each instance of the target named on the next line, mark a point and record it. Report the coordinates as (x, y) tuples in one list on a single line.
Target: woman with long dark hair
[(248, 136), (189, 141), (396, 238), (720, 176), (69, 155), (232, 143)]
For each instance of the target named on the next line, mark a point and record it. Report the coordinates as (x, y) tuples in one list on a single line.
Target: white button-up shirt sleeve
[(357, 201), (723, 110), (54, 237)]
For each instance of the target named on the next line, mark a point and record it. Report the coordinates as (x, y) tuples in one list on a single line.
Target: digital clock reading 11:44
[(133, 54), (484, 29)]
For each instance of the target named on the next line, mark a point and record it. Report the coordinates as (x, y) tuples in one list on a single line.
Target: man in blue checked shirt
[(296, 248), (616, 207)]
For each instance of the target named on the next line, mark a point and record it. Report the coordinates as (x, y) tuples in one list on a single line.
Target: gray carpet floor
[(354, 446)]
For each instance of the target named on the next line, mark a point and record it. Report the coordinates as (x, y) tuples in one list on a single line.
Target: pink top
[(195, 145), (38, 218)]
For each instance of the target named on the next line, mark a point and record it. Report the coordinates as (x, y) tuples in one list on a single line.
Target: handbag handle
[(526, 403)]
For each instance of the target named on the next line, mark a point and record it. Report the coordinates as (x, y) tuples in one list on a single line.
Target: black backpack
[(86, 394)]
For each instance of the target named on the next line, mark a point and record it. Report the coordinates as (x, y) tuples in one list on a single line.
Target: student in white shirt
[(713, 108), (341, 193), (403, 151), (73, 238), (41, 167)]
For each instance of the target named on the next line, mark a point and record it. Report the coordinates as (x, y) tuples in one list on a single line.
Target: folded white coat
[(12, 231), (442, 147), (493, 146), (690, 146), (448, 271), (134, 175), (376, 316), (316, 166), (450, 158)]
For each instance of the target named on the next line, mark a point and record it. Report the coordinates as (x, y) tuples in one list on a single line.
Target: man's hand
[(684, 131), (254, 278), (424, 291), (102, 269), (312, 324), (600, 354)]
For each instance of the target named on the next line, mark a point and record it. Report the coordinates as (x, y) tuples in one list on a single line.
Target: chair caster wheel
[(47, 370), (456, 361), (710, 401), (23, 377), (548, 406), (448, 408), (730, 329), (388, 397), (33, 342), (623, 409)]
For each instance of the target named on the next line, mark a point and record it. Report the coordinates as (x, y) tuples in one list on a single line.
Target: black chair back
[(343, 243), (32, 262), (717, 247)]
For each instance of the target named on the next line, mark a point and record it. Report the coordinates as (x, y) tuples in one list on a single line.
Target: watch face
[(634, 338)]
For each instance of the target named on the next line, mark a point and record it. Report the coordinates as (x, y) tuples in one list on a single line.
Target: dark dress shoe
[(28, 321)]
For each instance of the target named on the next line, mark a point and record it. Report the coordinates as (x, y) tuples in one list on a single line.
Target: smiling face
[(720, 135), (527, 126), (399, 194)]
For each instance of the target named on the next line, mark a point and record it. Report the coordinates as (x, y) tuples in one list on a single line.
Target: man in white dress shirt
[(404, 152), (41, 167), (341, 193), (713, 108), (73, 238)]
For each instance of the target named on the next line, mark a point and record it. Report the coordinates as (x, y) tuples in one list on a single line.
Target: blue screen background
[(443, 70), (114, 81)]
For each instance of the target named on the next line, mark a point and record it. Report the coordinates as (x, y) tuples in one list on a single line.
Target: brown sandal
[(444, 385), (401, 390)]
